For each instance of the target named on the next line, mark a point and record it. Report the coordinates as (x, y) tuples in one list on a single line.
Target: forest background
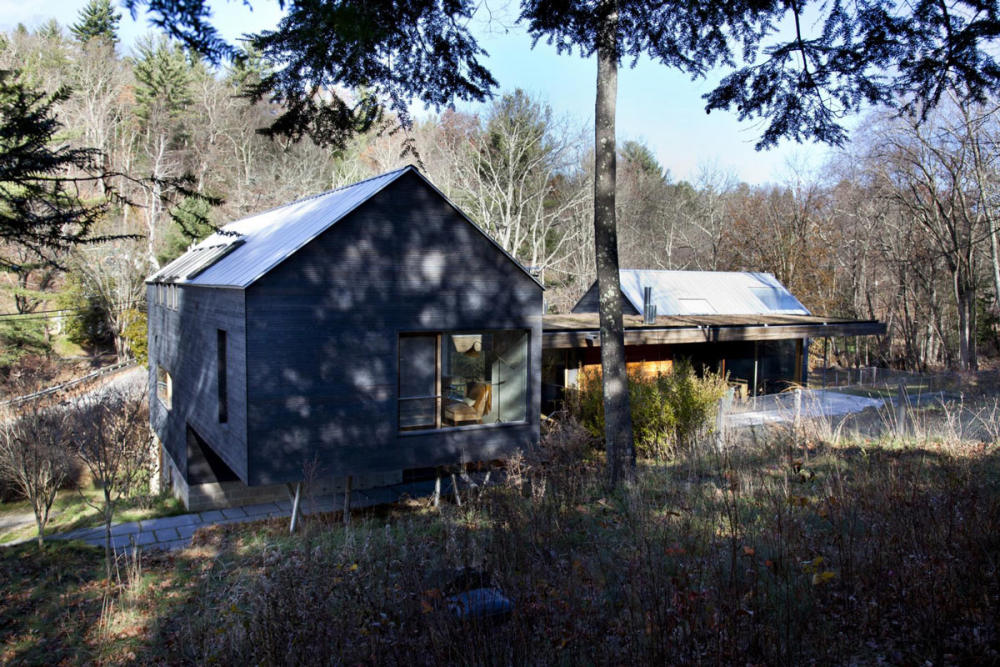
[(899, 225)]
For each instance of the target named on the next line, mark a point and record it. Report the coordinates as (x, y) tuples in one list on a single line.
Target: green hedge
[(669, 410)]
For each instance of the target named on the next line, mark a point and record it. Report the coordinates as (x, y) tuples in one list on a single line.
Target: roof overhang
[(583, 330)]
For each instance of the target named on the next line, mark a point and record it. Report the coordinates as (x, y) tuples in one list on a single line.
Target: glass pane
[(164, 388), (416, 413), (465, 380), (510, 375), (417, 366), (484, 377)]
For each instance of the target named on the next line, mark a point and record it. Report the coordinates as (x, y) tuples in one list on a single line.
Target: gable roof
[(241, 252), (710, 293)]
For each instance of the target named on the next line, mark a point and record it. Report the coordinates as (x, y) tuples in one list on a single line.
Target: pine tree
[(98, 20), (163, 75), (40, 206)]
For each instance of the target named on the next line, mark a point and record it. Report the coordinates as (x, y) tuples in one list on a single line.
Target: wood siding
[(322, 339), (188, 352), (559, 338)]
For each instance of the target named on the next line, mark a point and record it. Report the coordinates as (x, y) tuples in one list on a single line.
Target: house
[(362, 332), (746, 325)]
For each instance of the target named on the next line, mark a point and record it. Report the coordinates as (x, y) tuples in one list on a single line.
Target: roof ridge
[(313, 196)]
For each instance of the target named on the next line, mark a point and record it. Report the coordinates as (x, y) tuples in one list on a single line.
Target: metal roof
[(710, 292), (243, 251)]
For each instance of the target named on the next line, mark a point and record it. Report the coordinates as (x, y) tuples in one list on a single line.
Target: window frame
[(166, 397), (438, 397), (221, 370)]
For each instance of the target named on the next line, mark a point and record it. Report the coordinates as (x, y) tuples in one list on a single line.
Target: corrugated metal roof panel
[(270, 237), (710, 292)]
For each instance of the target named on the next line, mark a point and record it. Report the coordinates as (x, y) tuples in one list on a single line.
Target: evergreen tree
[(642, 158), (163, 76), (40, 206), (98, 20)]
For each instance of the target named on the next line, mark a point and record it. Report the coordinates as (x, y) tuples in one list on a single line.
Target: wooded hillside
[(900, 226)]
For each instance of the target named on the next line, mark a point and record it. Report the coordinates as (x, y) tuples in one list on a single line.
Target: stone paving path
[(174, 532)]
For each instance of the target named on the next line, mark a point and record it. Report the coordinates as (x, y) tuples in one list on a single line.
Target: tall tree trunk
[(965, 300), (994, 255), (617, 415)]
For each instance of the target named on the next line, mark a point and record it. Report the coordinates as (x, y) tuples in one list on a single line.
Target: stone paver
[(166, 534), (174, 532), (126, 540), (260, 509), (125, 528), (187, 531), (170, 522)]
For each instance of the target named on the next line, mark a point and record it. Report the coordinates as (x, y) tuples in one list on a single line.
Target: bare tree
[(927, 170), (113, 443), (706, 229), (34, 455), (114, 274), (511, 176)]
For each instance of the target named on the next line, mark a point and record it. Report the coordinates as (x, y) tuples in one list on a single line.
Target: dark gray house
[(361, 332)]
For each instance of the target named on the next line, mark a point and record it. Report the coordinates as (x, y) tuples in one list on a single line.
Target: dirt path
[(11, 521)]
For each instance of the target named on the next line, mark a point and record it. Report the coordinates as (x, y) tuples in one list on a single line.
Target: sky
[(657, 106)]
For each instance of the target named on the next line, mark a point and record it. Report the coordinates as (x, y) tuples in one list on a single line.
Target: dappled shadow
[(313, 345)]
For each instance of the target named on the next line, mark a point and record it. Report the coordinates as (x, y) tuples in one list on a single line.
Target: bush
[(668, 410), (135, 334), (20, 338), (87, 323)]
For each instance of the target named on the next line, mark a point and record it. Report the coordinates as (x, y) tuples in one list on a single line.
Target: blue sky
[(658, 106)]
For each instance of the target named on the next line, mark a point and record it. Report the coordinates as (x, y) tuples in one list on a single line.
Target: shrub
[(19, 338), (87, 323), (135, 334), (668, 409)]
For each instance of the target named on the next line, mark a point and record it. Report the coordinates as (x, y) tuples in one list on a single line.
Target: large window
[(460, 379)]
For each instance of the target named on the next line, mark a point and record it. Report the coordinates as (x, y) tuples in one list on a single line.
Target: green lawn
[(71, 510)]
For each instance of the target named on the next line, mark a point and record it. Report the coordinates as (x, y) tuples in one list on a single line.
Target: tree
[(163, 97), (877, 52), (97, 21), (509, 174), (34, 456), (930, 171), (113, 275), (40, 204), (689, 36), (113, 443)]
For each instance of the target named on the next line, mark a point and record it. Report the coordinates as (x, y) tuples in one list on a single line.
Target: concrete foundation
[(220, 495)]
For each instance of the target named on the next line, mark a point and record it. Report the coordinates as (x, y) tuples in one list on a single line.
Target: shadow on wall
[(321, 342)]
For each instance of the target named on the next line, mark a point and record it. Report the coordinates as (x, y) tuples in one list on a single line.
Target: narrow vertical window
[(164, 387), (223, 389)]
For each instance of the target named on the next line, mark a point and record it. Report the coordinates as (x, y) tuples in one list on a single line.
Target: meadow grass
[(799, 545)]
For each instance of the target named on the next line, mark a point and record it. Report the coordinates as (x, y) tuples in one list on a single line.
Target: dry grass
[(808, 546)]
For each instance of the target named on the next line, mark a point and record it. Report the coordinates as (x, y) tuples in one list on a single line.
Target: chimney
[(648, 307)]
